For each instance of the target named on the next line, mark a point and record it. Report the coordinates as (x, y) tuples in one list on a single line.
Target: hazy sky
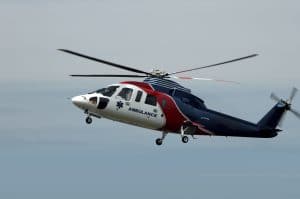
[(46, 149)]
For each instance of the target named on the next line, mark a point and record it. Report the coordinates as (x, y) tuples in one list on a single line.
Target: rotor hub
[(285, 103), (158, 73)]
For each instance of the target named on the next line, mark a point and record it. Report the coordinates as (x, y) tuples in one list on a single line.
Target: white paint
[(132, 112)]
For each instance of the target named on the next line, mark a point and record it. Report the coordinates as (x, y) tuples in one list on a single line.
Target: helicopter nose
[(78, 101)]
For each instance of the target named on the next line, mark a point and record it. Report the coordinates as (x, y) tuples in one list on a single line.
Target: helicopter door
[(125, 94), (139, 108)]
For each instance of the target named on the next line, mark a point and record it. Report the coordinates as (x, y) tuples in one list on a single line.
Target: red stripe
[(174, 118), (141, 85)]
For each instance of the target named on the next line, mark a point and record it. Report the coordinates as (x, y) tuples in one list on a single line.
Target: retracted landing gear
[(159, 141)]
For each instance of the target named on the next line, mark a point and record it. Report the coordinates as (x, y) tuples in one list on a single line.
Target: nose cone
[(79, 101)]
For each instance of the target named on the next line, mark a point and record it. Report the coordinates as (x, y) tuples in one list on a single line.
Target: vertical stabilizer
[(275, 115)]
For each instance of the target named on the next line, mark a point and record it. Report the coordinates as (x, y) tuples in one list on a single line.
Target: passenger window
[(126, 93), (151, 100), (138, 96)]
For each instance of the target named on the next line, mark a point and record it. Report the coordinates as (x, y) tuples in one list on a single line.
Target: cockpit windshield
[(109, 91)]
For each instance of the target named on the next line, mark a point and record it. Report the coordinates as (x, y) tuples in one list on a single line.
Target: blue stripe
[(166, 83)]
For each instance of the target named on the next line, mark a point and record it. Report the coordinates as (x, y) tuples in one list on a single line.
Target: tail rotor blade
[(293, 93), (296, 113), (275, 97)]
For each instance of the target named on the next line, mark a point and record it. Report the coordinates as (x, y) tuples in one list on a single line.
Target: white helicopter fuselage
[(127, 103)]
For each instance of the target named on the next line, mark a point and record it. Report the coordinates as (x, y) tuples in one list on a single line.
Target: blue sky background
[(46, 149)]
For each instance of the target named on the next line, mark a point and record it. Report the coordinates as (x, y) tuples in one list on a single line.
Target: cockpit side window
[(126, 93), (109, 91), (93, 100)]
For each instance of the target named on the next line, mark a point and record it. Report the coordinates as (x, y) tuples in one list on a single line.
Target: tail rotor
[(287, 104)]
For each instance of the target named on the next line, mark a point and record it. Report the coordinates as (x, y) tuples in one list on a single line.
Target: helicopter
[(160, 104)]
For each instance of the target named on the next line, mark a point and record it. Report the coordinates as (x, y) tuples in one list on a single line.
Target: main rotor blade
[(202, 79), (274, 97), (296, 113), (95, 75), (212, 65), (105, 62), (293, 93)]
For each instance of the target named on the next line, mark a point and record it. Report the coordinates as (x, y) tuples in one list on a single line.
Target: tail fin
[(275, 115)]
